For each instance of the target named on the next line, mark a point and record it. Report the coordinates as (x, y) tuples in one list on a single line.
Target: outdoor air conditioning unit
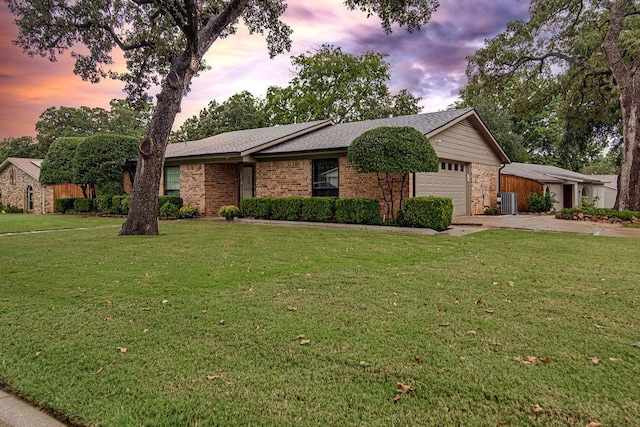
[(508, 203)]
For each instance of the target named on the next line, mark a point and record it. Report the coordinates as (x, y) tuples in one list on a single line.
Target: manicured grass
[(211, 316), (23, 223)]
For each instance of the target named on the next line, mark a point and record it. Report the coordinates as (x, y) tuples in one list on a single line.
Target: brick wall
[(192, 185), (15, 194), (282, 178), (483, 178), (221, 187)]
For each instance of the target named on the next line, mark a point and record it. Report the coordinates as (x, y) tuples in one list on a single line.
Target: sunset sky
[(430, 63)]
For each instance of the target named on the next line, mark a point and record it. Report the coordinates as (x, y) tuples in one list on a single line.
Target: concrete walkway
[(15, 413)]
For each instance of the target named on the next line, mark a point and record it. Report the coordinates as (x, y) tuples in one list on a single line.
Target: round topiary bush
[(229, 212)]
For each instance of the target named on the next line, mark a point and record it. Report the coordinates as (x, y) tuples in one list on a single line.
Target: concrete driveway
[(467, 224)]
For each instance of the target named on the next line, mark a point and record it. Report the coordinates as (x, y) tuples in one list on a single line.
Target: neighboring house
[(566, 186), (610, 189), (20, 186), (309, 159)]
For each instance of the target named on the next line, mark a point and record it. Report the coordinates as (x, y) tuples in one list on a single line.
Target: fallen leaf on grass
[(490, 311), (594, 424), (213, 377), (305, 342), (388, 313), (545, 360), (501, 423), (146, 308), (108, 319), (537, 408), (615, 359), (472, 332), (402, 390), (299, 337), (417, 358), (38, 353), (122, 349), (635, 344), (203, 311), (598, 326), (533, 360), (479, 301), (594, 360), (109, 302), (100, 369), (292, 309), (164, 301), (145, 330), (221, 321)]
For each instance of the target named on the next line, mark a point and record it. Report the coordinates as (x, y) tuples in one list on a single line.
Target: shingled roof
[(242, 142), (547, 174), (30, 166), (341, 135)]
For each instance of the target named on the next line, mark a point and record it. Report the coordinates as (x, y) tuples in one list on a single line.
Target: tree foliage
[(102, 159), (85, 121), (584, 55), (163, 43), (332, 84), (390, 150), (59, 165), (23, 146), (240, 111)]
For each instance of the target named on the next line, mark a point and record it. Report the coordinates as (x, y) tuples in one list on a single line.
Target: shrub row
[(568, 213), (169, 206), (425, 212), (315, 209)]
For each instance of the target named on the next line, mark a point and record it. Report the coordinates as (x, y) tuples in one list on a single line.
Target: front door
[(247, 181), (567, 191)]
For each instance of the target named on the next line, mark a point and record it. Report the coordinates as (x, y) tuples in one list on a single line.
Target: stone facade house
[(309, 159), (20, 186)]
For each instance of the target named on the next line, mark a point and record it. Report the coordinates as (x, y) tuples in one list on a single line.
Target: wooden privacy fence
[(523, 186), (65, 191)]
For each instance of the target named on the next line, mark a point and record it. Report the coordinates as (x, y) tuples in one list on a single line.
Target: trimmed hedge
[(169, 209), (64, 205), (567, 213), (83, 205), (174, 200), (256, 207), (286, 208), (427, 212), (318, 209), (358, 211), (121, 204)]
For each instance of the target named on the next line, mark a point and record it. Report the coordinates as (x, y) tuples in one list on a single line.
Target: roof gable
[(29, 166), (242, 142), (547, 173), (340, 136)]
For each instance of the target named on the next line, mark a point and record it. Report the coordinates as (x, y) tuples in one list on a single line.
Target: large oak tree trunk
[(628, 80), (142, 218), (143, 211)]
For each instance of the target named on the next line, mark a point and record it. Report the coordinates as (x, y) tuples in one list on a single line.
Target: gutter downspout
[(502, 166)]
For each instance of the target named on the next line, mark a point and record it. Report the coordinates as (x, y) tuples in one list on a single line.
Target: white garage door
[(449, 181)]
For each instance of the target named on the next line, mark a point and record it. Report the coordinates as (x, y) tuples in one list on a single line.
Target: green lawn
[(25, 223), (496, 327)]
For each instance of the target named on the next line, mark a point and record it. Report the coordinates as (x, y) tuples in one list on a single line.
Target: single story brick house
[(309, 159), (566, 186), (20, 186)]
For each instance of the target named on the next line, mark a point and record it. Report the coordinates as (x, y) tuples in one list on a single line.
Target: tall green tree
[(121, 119), (23, 146), (102, 160), (59, 165), (586, 52), (163, 43), (240, 111), (332, 84)]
